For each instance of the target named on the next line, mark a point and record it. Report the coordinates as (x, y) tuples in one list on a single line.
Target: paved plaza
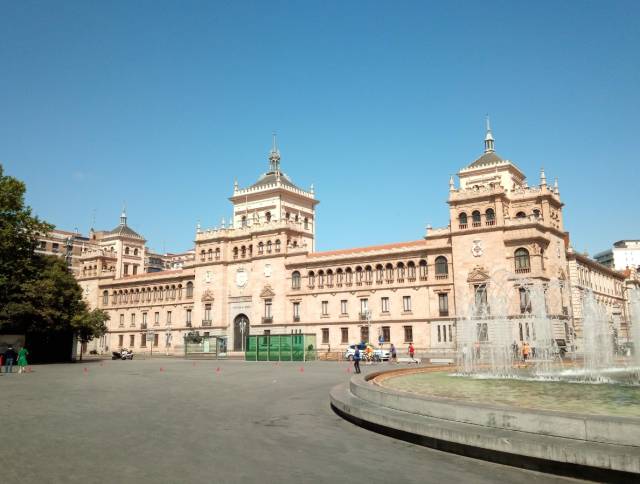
[(178, 421)]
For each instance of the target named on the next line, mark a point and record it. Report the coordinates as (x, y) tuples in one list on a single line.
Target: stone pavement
[(179, 421)]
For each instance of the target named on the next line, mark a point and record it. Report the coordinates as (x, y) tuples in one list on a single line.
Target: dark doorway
[(240, 332)]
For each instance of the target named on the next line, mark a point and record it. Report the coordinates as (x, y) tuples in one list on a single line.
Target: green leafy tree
[(89, 324), (19, 232)]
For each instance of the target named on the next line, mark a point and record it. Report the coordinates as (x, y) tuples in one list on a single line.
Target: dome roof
[(123, 230), (271, 178), (487, 158)]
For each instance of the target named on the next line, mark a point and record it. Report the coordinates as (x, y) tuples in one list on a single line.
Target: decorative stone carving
[(267, 292), (207, 295), (478, 274), (476, 248)]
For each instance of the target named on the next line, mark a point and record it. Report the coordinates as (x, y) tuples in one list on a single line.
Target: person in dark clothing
[(356, 360), (9, 357)]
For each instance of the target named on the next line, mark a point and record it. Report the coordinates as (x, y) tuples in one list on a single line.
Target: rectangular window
[(189, 317), (482, 331), (133, 319), (343, 306), (439, 337), (406, 304), (344, 335), (55, 247), (126, 269), (207, 312), (168, 317), (364, 305), (450, 335), (386, 334), (325, 336), (132, 340), (156, 319), (135, 269), (364, 334), (525, 301), (443, 304), (408, 334), (384, 304), (155, 339), (144, 320), (143, 340), (268, 314), (120, 340), (296, 311), (267, 332), (121, 320), (325, 308), (481, 297)]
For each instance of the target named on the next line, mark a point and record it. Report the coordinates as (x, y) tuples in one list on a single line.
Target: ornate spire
[(274, 156), (488, 139), (556, 190), (543, 178), (123, 215), (451, 184)]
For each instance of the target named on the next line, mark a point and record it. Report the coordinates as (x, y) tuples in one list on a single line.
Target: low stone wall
[(611, 443)]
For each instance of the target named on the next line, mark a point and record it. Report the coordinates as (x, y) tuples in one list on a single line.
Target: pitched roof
[(124, 230), (271, 178), (372, 248), (487, 158)]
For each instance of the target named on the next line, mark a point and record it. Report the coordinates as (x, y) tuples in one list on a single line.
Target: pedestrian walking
[(394, 355), (9, 357), (412, 350), (525, 351), (356, 360), (22, 359)]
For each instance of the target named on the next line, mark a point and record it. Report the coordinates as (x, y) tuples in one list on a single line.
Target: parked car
[(379, 354)]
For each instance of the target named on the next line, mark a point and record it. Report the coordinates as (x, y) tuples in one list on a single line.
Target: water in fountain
[(634, 300), (598, 337)]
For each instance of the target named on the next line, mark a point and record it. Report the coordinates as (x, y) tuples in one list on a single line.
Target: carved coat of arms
[(476, 248)]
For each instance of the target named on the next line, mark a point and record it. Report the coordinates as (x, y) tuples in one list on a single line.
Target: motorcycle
[(125, 354)]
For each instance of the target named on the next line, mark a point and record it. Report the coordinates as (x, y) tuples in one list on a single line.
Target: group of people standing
[(9, 357), (393, 355)]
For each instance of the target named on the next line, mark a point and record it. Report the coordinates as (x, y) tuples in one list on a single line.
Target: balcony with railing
[(296, 319), (442, 276), (206, 323), (363, 316), (267, 319)]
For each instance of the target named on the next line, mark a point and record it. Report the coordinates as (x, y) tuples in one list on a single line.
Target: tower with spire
[(488, 139)]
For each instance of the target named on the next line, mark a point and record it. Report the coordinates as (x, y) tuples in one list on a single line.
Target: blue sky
[(163, 104)]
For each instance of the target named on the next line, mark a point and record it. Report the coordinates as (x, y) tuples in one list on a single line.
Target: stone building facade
[(261, 274)]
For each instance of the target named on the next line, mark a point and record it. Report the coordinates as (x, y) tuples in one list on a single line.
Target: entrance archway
[(240, 332)]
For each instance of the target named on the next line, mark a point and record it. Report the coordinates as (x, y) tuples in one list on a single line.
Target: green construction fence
[(281, 347)]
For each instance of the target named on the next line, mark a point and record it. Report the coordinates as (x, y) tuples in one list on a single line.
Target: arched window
[(217, 253), (135, 251), (189, 289), (389, 272), (210, 254), (348, 276), (475, 218), (320, 278), (462, 220), (268, 216), (411, 271), (490, 217), (401, 270), (260, 248), (330, 278), (287, 216), (235, 252), (268, 247), (442, 268), (244, 221), (522, 262), (179, 291), (295, 280), (339, 277), (277, 245), (536, 213), (306, 223), (250, 249), (126, 251), (521, 215), (311, 279), (243, 252), (368, 274), (202, 255), (379, 273), (359, 275), (105, 298)]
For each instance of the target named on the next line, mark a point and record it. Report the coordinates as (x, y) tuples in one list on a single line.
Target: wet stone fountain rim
[(589, 441)]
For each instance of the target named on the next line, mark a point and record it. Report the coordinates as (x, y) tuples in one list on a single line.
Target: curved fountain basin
[(558, 396)]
